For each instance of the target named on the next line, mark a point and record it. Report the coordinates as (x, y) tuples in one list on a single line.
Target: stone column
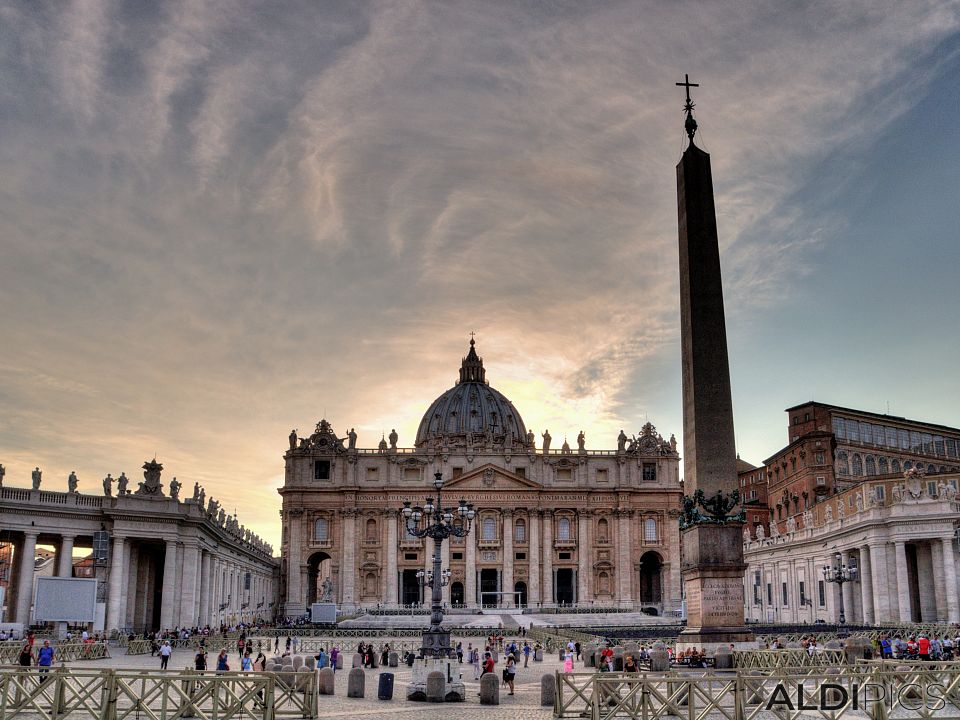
[(879, 583), (533, 576), (444, 564), (903, 581), (548, 600), (938, 599), (295, 605), (206, 585), (584, 547), (508, 557), (130, 596), (116, 610), (849, 603), (188, 589), (391, 550), (65, 557), (866, 585), (25, 579), (348, 567), (470, 586), (169, 598), (625, 559), (950, 580)]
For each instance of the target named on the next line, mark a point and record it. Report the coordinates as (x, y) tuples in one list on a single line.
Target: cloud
[(224, 220)]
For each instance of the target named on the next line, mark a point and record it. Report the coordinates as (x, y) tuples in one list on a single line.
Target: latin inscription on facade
[(714, 601)]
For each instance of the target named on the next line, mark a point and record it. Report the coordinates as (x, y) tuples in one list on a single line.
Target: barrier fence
[(117, 695), (63, 652), (874, 692)]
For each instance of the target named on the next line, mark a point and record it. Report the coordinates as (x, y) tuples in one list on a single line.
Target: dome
[(472, 406)]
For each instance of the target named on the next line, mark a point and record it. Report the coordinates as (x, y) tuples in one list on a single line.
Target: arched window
[(895, 466), (650, 530), (603, 530), (563, 529), (931, 469), (371, 529), (857, 466), (520, 531), (871, 465), (884, 466), (843, 467), (908, 465), (321, 529), (489, 529), (604, 583)]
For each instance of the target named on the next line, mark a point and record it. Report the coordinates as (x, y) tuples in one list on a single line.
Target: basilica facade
[(554, 526)]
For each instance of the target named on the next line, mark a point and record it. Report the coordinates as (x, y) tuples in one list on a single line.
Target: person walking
[(222, 661), (200, 659), (526, 653), (45, 656), (475, 661), (25, 658), (246, 664), (568, 662), (165, 652), (276, 645), (510, 673)]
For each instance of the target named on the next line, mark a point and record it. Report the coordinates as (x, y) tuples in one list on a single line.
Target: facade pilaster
[(879, 583), (849, 603), (939, 600), (624, 559), (25, 577), (188, 589), (533, 575), (133, 570), (470, 585), (548, 599), (391, 551), (295, 605), (950, 579), (168, 597), (206, 578), (348, 570), (584, 547), (903, 581), (116, 610), (508, 584)]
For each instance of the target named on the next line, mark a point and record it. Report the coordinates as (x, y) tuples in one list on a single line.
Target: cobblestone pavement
[(524, 705)]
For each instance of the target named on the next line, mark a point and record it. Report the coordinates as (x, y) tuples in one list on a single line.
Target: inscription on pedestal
[(715, 602)]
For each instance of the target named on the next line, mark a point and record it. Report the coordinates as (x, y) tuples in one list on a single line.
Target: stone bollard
[(587, 654), (355, 683), (340, 661), (659, 660), (311, 663), (374, 660), (304, 678), (618, 658), (385, 687), (548, 689), (436, 685), (326, 681), (722, 658), (394, 659), (490, 689), (357, 660), (297, 662), (538, 655)]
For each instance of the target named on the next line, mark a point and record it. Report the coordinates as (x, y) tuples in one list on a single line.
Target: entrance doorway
[(489, 583), (319, 571), (521, 589), (565, 586), (650, 570), (456, 594), (409, 588)]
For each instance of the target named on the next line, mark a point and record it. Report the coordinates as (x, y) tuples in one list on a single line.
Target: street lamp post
[(839, 573), (438, 523)]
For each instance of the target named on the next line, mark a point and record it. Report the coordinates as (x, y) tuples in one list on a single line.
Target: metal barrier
[(116, 695), (63, 652), (789, 658), (788, 693)]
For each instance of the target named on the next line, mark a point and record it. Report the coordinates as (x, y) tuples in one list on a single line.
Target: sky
[(221, 221)]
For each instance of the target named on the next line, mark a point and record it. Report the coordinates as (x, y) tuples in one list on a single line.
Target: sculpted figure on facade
[(108, 485), (175, 489), (203, 497), (581, 442), (841, 512), (352, 439), (828, 513), (151, 479), (122, 483), (531, 439), (72, 481), (546, 442), (746, 533), (760, 532), (221, 517), (326, 590), (621, 441), (791, 524), (196, 491), (859, 503), (293, 439), (35, 476), (774, 529), (393, 439), (897, 491), (807, 519), (3, 471)]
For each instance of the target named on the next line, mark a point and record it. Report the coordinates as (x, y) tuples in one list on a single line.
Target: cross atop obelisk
[(690, 125)]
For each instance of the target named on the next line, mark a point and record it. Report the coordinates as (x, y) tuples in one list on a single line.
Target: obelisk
[(712, 564)]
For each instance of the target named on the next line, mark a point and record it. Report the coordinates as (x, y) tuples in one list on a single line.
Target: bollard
[(340, 661), (659, 660), (587, 654), (385, 687), (490, 689), (355, 683), (436, 685), (311, 663), (723, 658), (326, 681), (357, 660), (548, 689), (538, 655), (394, 659), (297, 662)]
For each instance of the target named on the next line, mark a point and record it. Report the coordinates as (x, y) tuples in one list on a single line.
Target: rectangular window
[(927, 440), (457, 472), (932, 488), (321, 469), (821, 593), (649, 472), (840, 428), (411, 474), (903, 439), (853, 431), (866, 433), (803, 593), (951, 448), (769, 594), (891, 436), (564, 556), (915, 443), (602, 476), (373, 474), (879, 492), (938, 445), (818, 458), (520, 472), (410, 556), (879, 435), (821, 481), (521, 556), (783, 592), (565, 474), (650, 530), (457, 556)]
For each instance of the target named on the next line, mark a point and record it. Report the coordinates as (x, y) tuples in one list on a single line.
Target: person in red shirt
[(923, 647), (488, 664)]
